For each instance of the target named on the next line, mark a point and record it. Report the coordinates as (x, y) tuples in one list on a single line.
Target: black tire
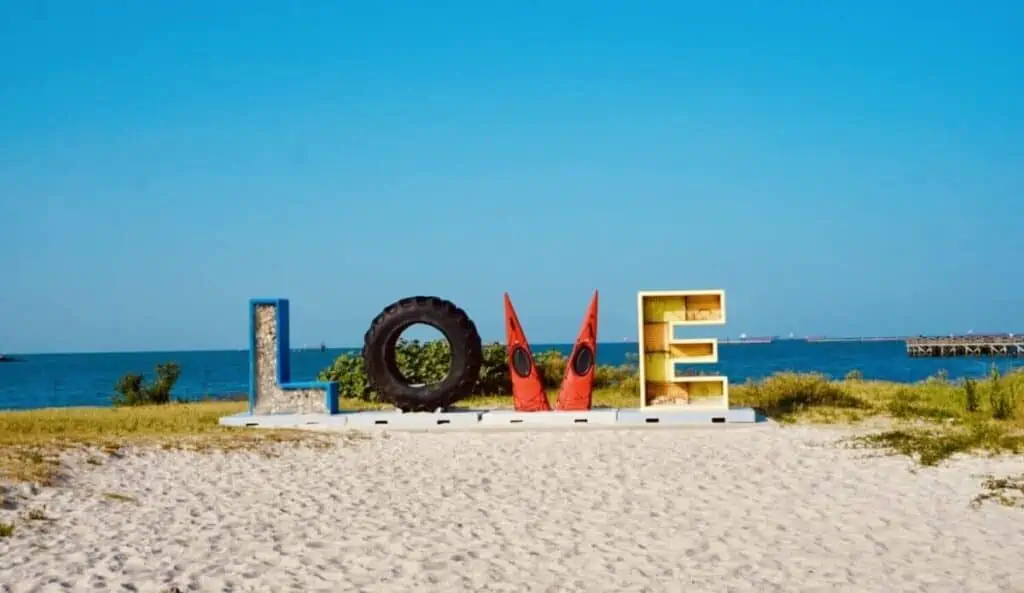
[(379, 353)]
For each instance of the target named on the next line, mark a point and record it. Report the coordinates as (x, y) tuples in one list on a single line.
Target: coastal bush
[(131, 391), (552, 363), (424, 362), (784, 394), (854, 375), (930, 399), (916, 403), (972, 400), (932, 446), (348, 372), (494, 379), (1000, 396), (1007, 491), (428, 362)]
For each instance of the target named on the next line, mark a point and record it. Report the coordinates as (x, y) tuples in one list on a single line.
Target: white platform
[(285, 420), (495, 419), (683, 416), (511, 417), (410, 420)]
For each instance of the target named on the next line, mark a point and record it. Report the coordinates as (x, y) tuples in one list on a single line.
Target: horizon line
[(732, 339), (317, 348)]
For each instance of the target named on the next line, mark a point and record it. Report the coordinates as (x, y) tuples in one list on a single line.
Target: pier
[(1007, 345), (823, 340)]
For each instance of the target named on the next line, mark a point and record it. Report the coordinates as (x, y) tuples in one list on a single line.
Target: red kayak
[(527, 388), (578, 383)]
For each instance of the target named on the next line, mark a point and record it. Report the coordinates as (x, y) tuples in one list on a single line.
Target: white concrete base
[(495, 419), (675, 416), (410, 420), (245, 419), (507, 418)]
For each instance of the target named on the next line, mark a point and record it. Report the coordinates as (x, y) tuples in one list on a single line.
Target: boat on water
[(5, 358)]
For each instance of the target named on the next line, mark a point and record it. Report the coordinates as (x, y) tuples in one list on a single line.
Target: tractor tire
[(379, 354)]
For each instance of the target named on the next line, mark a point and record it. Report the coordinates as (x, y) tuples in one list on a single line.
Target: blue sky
[(838, 168)]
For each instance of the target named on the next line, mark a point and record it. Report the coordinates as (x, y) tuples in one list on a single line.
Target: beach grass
[(801, 397), (934, 419), (1007, 491)]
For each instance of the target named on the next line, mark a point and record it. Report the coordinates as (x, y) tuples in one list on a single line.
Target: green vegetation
[(972, 401), (6, 530), (132, 392), (931, 445), (1001, 396), (934, 419), (428, 362), (32, 440), (1007, 491)]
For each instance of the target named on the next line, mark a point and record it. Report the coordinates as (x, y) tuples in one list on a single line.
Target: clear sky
[(839, 168)]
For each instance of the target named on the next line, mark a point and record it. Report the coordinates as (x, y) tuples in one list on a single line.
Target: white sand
[(709, 509)]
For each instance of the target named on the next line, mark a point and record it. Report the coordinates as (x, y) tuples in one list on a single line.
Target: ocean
[(51, 380)]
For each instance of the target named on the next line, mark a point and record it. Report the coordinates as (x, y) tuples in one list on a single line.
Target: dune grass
[(813, 397), (31, 441), (935, 419), (1007, 491)]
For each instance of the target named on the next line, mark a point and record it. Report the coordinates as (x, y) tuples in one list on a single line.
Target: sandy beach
[(764, 508)]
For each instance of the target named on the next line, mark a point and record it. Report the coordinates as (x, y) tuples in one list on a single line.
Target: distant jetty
[(1009, 345), (821, 339), (745, 340)]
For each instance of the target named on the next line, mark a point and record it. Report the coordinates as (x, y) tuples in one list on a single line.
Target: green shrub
[(972, 400), (1000, 396), (428, 362), (854, 375), (494, 379), (784, 394), (131, 391), (348, 372), (908, 402), (424, 362), (551, 367), (630, 385), (932, 446)]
